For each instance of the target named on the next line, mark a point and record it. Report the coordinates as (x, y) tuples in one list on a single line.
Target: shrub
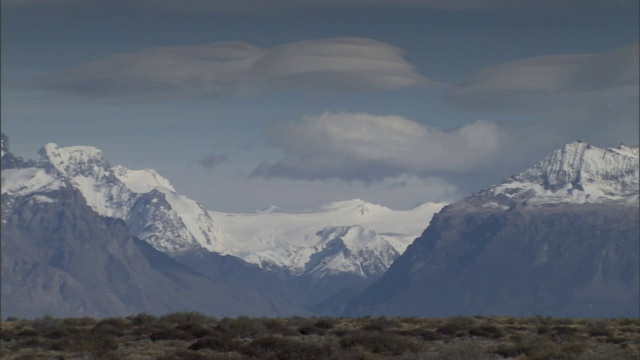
[(432, 336), (192, 317), (107, 328), (118, 323), (80, 322), (27, 333), (487, 330), (220, 344), (380, 342), (325, 323), (380, 323), (142, 319), (599, 328), (7, 335), (242, 327), (271, 347), (46, 323), (59, 333), (183, 355), (29, 343), (543, 329), (278, 327), (174, 333), (457, 325), (312, 330), (564, 330), (464, 350)]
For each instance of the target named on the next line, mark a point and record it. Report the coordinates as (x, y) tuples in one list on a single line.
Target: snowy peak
[(73, 160), (142, 181), (577, 173), (579, 164)]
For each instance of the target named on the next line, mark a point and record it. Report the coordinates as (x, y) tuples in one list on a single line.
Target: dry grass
[(195, 336)]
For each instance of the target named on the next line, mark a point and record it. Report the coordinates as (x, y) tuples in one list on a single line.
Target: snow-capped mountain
[(578, 173), (348, 236), (559, 239), (352, 237)]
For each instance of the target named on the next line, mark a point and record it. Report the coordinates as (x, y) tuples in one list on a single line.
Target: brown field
[(195, 336)]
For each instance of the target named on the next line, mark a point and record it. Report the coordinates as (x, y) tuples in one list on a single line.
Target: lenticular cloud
[(238, 68)]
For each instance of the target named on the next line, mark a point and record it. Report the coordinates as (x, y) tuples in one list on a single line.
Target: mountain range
[(83, 237), (308, 257)]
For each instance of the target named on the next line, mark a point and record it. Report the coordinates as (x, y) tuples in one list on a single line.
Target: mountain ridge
[(155, 212), (535, 244)]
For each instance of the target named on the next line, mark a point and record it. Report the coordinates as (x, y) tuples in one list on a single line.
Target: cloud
[(592, 97), (212, 161), (369, 148), (238, 68), (539, 84)]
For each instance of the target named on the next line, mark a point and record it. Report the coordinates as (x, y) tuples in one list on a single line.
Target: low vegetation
[(193, 336)]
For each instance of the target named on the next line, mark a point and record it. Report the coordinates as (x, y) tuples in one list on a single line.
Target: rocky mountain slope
[(59, 257), (561, 238)]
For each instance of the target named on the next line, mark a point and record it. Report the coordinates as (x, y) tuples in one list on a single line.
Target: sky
[(248, 103)]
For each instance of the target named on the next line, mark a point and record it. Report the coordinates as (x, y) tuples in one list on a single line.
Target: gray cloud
[(212, 161), (551, 82), (238, 68)]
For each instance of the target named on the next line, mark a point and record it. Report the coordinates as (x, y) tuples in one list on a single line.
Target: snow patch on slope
[(20, 182)]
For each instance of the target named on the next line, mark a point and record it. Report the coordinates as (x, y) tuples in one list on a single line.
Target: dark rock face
[(558, 260), (61, 258)]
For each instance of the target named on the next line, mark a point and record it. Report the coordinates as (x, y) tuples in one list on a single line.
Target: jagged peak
[(576, 173), (72, 160)]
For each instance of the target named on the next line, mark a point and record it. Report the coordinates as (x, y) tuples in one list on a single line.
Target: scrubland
[(193, 336)]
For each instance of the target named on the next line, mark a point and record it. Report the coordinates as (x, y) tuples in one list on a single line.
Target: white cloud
[(238, 68), (366, 147)]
